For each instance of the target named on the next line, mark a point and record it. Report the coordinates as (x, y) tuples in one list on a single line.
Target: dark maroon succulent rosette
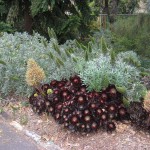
[(111, 126), (61, 83), (83, 89), (113, 94), (40, 104), (111, 107), (32, 99), (73, 89), (122, 113), (45, 87), (51, 110), (76, 81), (94, 126), (53, 84), (65, 94), (80, 101), (77, 109)]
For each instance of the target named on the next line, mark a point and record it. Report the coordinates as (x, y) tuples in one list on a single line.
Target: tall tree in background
[(69, 18), (113, 7)]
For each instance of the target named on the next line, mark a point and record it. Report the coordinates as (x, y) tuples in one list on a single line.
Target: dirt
[(124, 138)]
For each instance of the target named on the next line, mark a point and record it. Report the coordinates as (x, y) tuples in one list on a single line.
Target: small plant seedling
[(1, 110), (24, 119)]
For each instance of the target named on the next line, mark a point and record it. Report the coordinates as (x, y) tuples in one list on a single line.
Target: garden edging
[(35, 137)]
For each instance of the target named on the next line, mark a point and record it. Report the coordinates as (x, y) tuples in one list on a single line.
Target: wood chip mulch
[(126, 137)]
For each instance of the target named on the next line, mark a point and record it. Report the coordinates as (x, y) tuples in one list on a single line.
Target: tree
[(69, 18), (113, 7)]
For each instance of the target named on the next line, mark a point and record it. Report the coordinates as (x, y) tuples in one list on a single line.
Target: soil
[(125, 137)]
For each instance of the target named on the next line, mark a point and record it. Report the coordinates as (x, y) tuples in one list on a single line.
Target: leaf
[(71, 50), (52, 4), (67, 53), (126, 102), (113, 56), (44, 42), (56, 48), (59, 61), (89, 47), (51, 33), (83, 47), (105, 81), (15, 77), (92, 39), (103, 46), (51, 55), (74, 59), (86, 56), (78, 44), (2, 62), (122, 90)]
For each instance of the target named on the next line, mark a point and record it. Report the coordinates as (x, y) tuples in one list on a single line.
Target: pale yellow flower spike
[(34, 74)]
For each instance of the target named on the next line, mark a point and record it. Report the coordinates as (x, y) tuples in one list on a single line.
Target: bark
[(114, 10), (28, 21)]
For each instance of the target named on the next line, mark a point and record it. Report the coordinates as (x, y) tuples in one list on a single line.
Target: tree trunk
[(113, 10), (106, 7), (28, 21)]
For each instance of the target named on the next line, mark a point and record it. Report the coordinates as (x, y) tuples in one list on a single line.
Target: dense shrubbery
[(15, 51), (4, 27), (63, 61), (133, 33), (100, 72)]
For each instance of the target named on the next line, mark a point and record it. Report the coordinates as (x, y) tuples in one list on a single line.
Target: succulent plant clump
[(139, 116), (71, 104)]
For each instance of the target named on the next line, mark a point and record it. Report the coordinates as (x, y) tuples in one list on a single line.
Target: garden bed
[(125, 137)]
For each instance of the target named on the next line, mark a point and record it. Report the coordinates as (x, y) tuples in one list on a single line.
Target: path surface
[(10, 139)]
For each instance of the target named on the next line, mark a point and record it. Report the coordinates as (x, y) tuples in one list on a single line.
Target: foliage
[(127, 7), (132, 33), (99, 73), (16, 49), (96, 63), (4, 27), (69, 19)]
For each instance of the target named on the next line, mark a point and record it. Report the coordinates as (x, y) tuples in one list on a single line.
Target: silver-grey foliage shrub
[(100, 72), (92, 63), (16, 49)]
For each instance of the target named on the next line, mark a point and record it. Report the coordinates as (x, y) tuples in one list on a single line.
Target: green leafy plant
[(16, 49), (100, 72), (97, 63), (132, 33), (5, 27)]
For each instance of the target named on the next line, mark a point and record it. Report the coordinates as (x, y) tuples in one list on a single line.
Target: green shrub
[(16, 49), (99, 73), (4, 27), (96, 63), (132, 33)]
